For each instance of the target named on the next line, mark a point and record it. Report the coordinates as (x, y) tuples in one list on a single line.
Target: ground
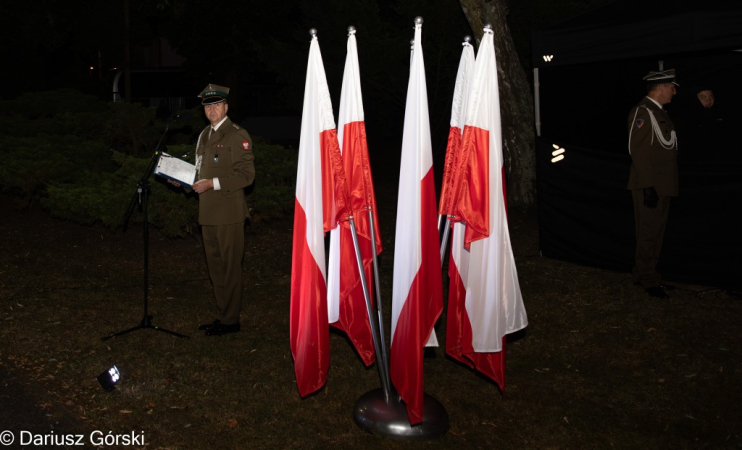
[(601, 364)]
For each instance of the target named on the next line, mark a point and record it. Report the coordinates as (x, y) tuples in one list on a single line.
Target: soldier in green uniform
[(653, 177), (224, 164)]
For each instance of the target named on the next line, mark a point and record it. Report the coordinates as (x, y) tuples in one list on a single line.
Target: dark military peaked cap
[(213, 94), (664, 76)]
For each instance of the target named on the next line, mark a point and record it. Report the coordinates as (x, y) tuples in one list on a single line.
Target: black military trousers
[(650, 226)]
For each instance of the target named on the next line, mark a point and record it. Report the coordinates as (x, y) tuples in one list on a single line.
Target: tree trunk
[(516, 100)]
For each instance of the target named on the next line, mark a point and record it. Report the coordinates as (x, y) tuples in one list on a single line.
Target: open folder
[(176, 169)]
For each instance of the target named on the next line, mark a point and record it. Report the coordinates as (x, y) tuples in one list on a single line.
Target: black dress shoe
[(221, 329), (207, 326), (657, 291)]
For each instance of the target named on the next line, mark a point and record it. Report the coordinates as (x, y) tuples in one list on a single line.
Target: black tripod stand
[(141, 197)]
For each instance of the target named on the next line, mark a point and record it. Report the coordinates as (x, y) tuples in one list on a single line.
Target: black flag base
[(387, 417)]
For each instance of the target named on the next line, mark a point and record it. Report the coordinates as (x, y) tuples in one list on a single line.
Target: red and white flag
[(452, 168), (346, 303), (417, 298), (458, 264), (485, 301), (320, 203)]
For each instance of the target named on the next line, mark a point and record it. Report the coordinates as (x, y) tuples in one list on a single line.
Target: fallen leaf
[(232, 423), (125, 411)]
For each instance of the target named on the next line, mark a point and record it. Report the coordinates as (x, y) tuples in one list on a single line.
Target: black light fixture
[(109, 378)]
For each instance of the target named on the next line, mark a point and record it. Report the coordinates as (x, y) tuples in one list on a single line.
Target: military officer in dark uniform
[(224, 164), (653, 177)]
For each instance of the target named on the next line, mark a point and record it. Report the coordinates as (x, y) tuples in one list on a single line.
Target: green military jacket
[(227, 155)]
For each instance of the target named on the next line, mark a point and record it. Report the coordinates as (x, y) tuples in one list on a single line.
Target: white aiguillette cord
[(667, 144)]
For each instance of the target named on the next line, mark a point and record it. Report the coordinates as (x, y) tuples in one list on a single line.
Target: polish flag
[(346, 303), (458, 264), (452, 168), (485, 301), (320, 203), (417, 298)]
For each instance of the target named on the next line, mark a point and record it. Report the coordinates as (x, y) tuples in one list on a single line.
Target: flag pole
[(387, 415), (444, 242), (384, 363), (369, 309)]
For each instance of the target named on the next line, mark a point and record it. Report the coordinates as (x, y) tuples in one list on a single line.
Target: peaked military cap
[(664, 76), (213, 94)]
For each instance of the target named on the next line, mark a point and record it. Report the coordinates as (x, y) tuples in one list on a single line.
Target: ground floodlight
[(109, 378)]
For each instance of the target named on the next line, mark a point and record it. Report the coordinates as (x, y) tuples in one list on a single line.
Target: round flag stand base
[(388, 418)]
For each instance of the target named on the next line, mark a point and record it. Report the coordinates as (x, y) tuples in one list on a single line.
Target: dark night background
[(258, 49), (600, 366)]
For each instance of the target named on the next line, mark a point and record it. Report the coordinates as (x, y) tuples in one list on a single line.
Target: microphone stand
[(141, 197)]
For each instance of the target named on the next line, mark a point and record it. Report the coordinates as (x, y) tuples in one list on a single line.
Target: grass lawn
[(601, 364)]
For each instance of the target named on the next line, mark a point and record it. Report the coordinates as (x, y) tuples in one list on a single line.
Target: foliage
[(83, 161), (275, 178), (112, 198), (131, 128), (31, 164), (64, 111)]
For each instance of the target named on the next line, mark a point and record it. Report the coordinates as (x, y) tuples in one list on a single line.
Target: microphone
[(183, 115)]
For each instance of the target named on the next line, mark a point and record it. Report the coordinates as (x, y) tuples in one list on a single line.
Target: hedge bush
[(83, 159)]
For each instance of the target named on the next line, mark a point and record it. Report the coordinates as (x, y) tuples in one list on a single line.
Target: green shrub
[(60, 112), (275, 180), (83, 160), (30, 165), (106, 198)]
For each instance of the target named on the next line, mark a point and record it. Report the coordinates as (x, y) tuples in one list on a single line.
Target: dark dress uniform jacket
[(652, 165), (226, 155)]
